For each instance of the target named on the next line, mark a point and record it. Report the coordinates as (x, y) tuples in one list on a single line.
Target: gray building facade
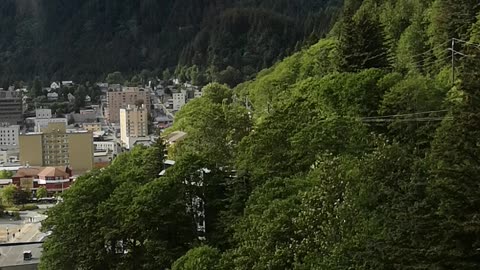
[(11, 110)]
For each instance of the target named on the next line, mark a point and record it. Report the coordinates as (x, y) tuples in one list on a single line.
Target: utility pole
[(453, 61)]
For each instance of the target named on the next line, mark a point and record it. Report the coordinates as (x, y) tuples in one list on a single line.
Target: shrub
[(28, 207)]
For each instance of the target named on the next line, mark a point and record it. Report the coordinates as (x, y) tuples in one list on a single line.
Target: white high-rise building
[(133, 124)]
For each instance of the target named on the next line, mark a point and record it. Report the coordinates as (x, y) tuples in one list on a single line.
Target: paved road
[(29, 232), (167, 111), (14, 255)]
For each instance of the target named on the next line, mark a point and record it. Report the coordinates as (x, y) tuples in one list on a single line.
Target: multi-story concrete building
[(55, 146), (43, 123), (133, 123), (9, 135), (178, 101), (11, 109), (43, 113), (106, 146), (117, 100)]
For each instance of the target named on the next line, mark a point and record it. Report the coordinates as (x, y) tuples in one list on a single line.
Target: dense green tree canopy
[(85, 40), (359, 152)]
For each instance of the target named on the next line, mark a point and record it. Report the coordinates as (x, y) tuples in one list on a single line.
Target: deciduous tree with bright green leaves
[(42, 192)]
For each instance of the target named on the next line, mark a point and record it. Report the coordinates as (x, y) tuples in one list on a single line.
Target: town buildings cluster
[(42, 147)]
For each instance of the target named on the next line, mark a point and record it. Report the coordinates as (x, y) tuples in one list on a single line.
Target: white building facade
[(178, 101), (197, 94), (9, 135), (111, 147), (133, 124)]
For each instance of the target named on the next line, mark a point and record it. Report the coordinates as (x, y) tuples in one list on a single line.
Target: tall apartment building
[(117, 100), (133, 124), (11, 108), (178, 101), (9, 135), (55, 146)]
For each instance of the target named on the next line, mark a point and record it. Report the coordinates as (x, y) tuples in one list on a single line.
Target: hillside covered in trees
[(85, 40), (359, 152)]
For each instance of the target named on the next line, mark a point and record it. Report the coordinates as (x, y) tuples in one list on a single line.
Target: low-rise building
[(43, 123), (55, 85), (175, 137), (197, 94), (9, 157), (84, 117), (68, 84), (54, 179), (71, 98), (92, 127), (106, 146), (52, 96), (43, 113), (145, 141)]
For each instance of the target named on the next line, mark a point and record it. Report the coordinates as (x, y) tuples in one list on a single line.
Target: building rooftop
[(176, 136), (5, 181), (53, 172), (33, 171), (27, 172), (12, 255)]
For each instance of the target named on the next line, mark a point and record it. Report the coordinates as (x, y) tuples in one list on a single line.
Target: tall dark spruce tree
[(455, 175)]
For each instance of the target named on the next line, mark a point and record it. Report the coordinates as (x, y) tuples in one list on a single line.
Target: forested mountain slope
[(83, 40), (360, 152)]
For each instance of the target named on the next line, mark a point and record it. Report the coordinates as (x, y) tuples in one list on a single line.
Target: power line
[(424, 119), (459, 53), (422, 63), (393, 120), (431, 49), (468, 43), (404, 115), (453, 61)]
